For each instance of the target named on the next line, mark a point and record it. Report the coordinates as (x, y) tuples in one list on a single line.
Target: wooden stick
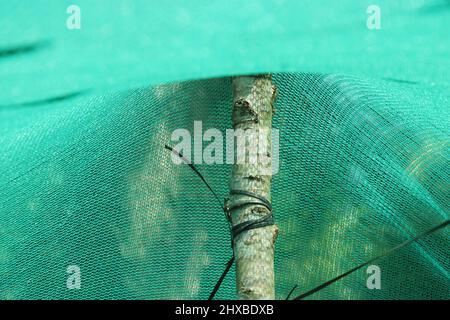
[(253, 99)]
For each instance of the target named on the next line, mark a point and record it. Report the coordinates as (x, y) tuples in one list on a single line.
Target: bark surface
[(253, 108)]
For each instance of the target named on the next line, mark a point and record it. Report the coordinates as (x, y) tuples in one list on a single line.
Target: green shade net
[(85, 180)]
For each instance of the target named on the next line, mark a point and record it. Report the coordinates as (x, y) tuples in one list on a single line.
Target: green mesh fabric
[(85, 179)]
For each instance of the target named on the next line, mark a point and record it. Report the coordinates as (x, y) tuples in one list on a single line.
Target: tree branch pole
[(253, 99)]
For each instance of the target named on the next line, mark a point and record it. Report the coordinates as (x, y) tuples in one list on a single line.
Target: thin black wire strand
[(390, 251), (222, 277), (196, 171), (237, 229), (230, 262), (291, 292), (323, 285)]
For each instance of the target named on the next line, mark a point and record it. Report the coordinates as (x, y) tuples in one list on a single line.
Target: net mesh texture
[(86, 180)]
